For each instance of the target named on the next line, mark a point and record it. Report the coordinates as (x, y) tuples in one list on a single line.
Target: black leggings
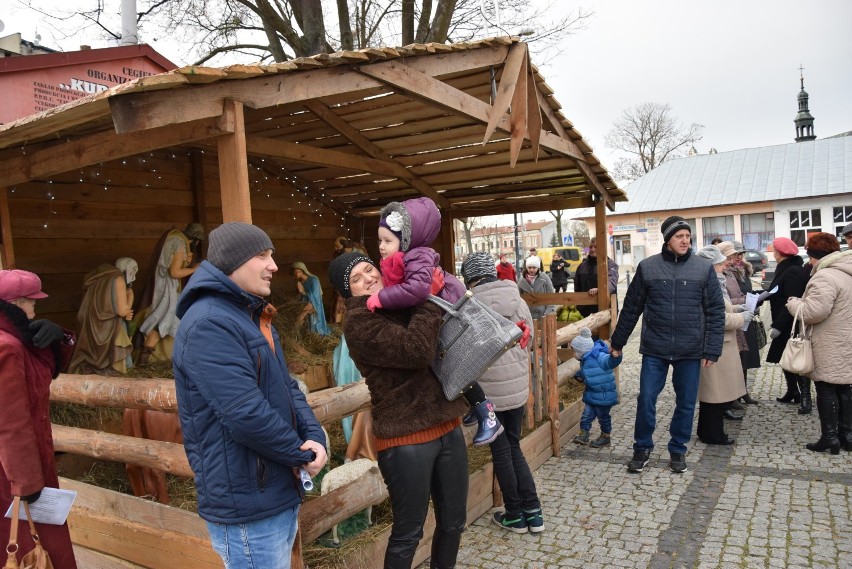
[(413, 473), (474, 395)]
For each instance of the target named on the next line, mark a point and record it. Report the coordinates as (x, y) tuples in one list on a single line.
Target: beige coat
[(827, 306), (723, 381)]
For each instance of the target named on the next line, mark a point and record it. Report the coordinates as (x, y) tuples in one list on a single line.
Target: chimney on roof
[(129, 32)]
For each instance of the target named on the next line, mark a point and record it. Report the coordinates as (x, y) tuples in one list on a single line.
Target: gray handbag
[(472, 337)]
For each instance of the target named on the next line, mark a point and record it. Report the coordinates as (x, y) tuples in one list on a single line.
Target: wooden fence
[(112, 530)]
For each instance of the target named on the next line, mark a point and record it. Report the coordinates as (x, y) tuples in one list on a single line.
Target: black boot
[(747, 399), (792, 394), (827, 406), (805, 390), (844, 417)]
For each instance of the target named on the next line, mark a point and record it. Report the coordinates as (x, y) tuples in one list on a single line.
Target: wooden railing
[(317, 515)]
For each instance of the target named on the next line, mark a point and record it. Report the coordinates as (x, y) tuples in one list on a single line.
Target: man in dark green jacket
[(683, 320)]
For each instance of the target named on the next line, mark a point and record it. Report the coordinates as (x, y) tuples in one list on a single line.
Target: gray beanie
[(234, 243), (583, 343), (672, 225), (477, 265), (712, 254)]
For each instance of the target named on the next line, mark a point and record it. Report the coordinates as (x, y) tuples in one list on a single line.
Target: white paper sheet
[(52, 507)]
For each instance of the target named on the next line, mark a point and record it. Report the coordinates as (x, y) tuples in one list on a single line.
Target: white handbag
[(798, 356)]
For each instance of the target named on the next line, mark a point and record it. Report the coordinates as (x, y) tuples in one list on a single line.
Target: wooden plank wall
[(65, 226)]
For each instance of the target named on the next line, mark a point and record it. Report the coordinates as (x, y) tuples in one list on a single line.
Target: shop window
[(721, 227), (758, 230)]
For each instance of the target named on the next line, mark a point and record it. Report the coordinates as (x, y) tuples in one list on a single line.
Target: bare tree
[(580, 231), (282, 29), (557, 215), (650, 135)]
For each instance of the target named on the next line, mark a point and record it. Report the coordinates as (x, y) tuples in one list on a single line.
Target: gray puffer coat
[(506, 382), (827, 306)]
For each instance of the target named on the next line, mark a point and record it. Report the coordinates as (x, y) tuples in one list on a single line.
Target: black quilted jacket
[(681, 303)]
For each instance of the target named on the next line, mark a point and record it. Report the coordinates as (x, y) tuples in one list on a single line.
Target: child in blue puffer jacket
[(601, 394)]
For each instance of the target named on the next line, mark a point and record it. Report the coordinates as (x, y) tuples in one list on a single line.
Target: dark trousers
[(599, 412), (413, 473), (510, 467), (711, 422), (562, 287)]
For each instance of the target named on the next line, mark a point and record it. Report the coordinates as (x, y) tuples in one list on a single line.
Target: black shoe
[(726, 441), (749, 400), (789, 397), (737, 405), (678, 463), (639, 460), (732, 416), (514, 522), (825, 444)]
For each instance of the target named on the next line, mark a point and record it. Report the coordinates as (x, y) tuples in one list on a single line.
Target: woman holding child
[(419, 440)]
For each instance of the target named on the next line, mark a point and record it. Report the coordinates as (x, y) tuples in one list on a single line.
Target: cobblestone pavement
[(764, 502)]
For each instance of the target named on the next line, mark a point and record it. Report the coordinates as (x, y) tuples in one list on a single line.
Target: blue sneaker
[(513, 522), (535, 520)]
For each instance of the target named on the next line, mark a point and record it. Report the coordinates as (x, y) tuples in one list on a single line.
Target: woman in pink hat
[(791, 277), (31, 354)]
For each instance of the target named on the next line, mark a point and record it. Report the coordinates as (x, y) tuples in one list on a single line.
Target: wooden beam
[(59, 157), (308, 154), (140, 111), (505, 92), (7, 259), (233, 167), (499, 207), (559, 298), (602, 240), (432, 91), (196, 160), (169, 457), (552, 382), (344, 128)]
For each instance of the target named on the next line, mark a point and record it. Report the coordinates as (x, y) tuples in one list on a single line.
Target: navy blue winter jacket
[(680, 301), (596, 372), (243, 416)]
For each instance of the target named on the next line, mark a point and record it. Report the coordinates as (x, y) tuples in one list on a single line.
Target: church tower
[(804, 120)]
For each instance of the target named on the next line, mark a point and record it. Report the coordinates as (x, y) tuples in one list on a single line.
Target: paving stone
[(765, 502)]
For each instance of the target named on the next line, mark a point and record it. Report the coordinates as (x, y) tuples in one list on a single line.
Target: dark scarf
[(20, 322)]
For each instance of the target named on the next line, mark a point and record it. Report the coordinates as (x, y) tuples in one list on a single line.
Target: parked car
[(767, 274), (758, 259)]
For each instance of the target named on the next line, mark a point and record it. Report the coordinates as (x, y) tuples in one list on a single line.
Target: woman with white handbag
[(826, 309)]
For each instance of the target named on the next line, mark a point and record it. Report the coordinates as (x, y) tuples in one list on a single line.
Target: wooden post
[(448, 257), (7, 259), (613, 320), (233, 167), (537, 385), (603, 262), (196, 181), (552, 381), (530, 406)]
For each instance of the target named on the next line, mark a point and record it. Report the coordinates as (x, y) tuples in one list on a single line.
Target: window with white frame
[(842, 217), (804, 223)]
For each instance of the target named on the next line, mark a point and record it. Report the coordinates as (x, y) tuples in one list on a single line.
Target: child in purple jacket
[(411, 271)]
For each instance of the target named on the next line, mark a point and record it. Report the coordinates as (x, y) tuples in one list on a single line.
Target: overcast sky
[(731, 65)]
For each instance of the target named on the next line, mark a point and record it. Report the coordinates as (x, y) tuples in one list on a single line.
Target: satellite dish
[(2, 25)]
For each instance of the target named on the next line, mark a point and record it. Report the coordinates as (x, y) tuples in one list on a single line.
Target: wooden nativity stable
[(309, 150)]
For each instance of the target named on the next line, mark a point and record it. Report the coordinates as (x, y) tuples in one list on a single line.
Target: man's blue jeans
[(652, 379), (262, 544)]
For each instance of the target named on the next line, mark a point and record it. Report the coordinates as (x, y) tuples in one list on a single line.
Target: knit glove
[(747, 318), (373, 302), (774, 333), (525, 336), (740, 308), (45, 333)]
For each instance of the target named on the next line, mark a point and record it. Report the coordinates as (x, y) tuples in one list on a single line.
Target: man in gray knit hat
[(247, 428), (683, 319)]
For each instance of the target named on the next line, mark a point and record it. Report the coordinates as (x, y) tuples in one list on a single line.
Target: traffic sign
[(568, 240)]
